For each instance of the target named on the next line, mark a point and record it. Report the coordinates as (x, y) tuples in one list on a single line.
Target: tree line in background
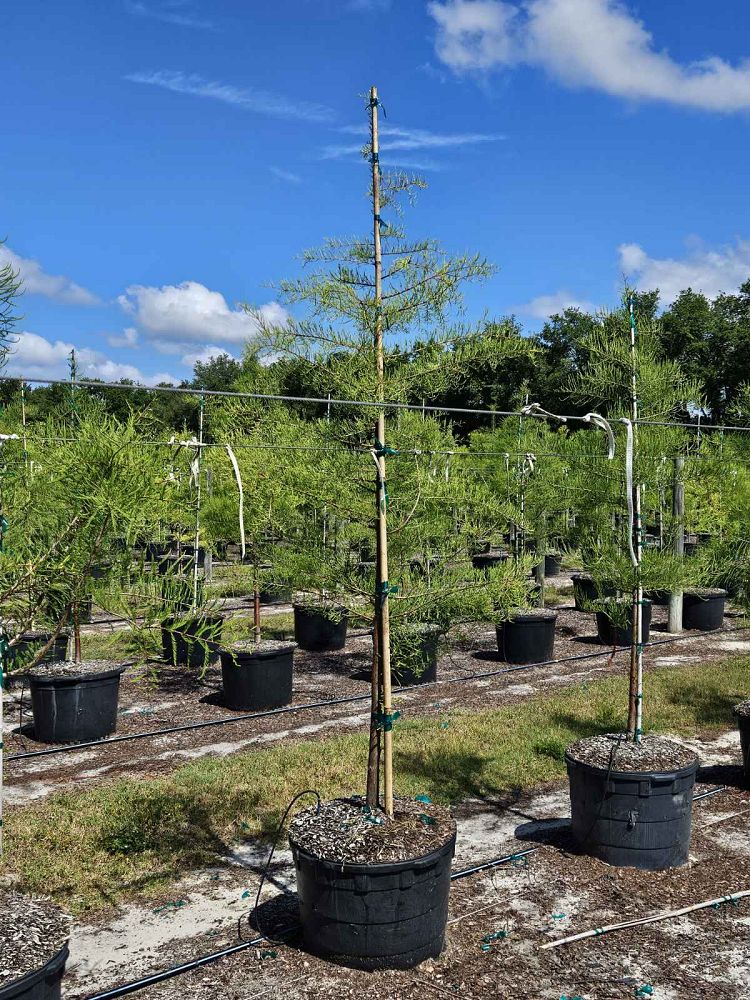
[(708, 339)]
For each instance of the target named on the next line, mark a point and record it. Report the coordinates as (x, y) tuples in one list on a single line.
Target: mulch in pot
[(347, 831), (614, 751), (32, 932), (69, 668)]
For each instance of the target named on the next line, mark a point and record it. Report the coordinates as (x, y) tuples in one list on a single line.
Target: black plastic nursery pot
[(258, 678), (585, 590), (489, 560), (703, 608), (527, 637), (191, 642), (75, 708), (658, 597), (414, 655), (316, 629), (552, 564), (635, 819), (612, 634), (374, 916), (41, 984)]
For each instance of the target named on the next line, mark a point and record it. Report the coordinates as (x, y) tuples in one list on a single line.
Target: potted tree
[(373, 874), (631, 792)]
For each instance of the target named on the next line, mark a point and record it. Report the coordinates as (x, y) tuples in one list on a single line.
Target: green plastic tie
[(383, 592), (645, 991), (382, 449), (267, 953), (385, 720), (558, 916), (423, 798), (175, 905), (496, 936), (427, 820)]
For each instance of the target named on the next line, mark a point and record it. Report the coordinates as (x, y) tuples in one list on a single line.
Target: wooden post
[(635, 703), (381, 674), (541, 553), (674, 621)]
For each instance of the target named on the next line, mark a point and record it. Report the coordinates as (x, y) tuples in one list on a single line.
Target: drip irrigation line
[(214, 956), (350, 699)]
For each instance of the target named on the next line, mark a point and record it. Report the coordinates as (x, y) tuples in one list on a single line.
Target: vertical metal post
[(674, 621), (198, 460)]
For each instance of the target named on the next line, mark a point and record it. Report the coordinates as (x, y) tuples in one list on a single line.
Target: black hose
[(191, 726)]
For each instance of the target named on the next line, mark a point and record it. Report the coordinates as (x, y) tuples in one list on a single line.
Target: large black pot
[(258, 679), (527, 637), (658, 597), (552, 564), (191, 642), (41, 984), (414, 655), (637, 819), (374, 916), (487, 561), (77, 708), (703, 608), (586, 591), (315, 630), (611, 634)]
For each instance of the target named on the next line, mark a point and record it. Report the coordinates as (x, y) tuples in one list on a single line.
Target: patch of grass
[(94, 848)]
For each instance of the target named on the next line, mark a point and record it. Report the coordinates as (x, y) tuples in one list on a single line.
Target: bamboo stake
[(640, 921), (635, 706), (381, 676)]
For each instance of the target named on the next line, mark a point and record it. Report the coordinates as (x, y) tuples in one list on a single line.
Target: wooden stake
[(635, 701), (382, 675)]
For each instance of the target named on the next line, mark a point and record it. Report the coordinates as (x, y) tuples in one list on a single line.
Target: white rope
[(629, 487), (238, 477), (597, 420), (535, 410), (8, 437)]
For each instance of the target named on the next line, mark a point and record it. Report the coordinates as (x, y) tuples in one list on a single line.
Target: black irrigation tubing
[(214, 956), (350, 699)]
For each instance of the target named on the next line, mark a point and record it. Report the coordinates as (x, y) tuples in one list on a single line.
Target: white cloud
[(394, 138), (36, 281), (205, 355), (702, 269), (584, 43), (129, 338), (192, 313), (249, 99), (35, 357), (286, 175), (544, 306)]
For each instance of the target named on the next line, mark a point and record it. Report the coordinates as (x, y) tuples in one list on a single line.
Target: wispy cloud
[(177, 12), (544, 306), (395, 138), (262, 102), (286, 175)]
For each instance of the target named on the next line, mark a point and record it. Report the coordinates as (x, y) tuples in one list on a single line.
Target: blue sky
[(165, 160)]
